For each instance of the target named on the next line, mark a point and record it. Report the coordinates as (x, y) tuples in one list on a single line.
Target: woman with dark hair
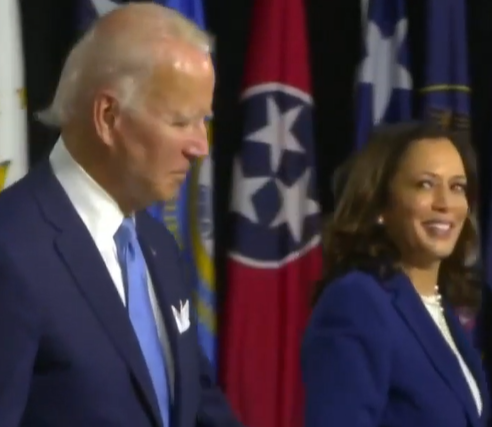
[(383, 347)]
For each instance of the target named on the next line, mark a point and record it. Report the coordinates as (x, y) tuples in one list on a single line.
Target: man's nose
[(199, 144), (202, 147)]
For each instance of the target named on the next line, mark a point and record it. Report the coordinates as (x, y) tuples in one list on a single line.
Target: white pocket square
[(182, 316)]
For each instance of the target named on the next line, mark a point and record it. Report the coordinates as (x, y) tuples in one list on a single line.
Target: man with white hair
[(96, 323)]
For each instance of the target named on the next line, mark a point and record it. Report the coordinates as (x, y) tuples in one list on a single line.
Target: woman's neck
[(424, 280)]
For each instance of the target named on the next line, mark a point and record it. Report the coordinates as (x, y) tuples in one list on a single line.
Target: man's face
[(156, 142)]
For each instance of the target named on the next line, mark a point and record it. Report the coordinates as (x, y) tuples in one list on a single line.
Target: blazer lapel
[(433, 343), (471, 357), (166, 275), (81, 257)]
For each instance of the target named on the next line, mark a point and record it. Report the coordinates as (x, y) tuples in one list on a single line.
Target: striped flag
[(384, 81), (13, 117)]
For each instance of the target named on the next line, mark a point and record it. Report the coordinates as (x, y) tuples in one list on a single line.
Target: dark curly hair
[(352, 239)]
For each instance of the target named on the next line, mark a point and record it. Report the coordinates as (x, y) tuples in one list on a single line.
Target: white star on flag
[(381, 68), (277, 133), (295, 205), (243, 192)]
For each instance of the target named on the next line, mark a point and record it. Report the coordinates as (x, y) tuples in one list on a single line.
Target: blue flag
[(384, 82), (446, 94), (89, 10), (190, 218), (192, 9)]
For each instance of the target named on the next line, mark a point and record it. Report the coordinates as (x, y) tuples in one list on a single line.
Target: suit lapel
[(433, 343), (166, 275), (471, 357), (81, 257)]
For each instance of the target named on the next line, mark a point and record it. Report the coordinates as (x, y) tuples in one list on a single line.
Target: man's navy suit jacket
[(68, 355)]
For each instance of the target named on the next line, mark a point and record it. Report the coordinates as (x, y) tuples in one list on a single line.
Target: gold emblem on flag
[(209, 133), (170, 217), (448, 119), (444, 118), (22, 94), (4, 168)]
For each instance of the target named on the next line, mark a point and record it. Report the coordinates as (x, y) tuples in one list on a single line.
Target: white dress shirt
[(435, 312), (102, 217)]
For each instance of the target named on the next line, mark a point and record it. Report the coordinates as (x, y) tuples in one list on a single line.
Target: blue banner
[(446, 94), (190, 216), (191, 220)]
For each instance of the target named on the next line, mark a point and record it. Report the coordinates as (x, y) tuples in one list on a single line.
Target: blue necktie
[(134, 270)]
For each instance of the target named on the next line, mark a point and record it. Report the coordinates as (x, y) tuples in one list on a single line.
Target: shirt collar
[(97, 209)]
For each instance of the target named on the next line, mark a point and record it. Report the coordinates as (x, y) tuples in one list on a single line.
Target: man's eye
[(181, 123)]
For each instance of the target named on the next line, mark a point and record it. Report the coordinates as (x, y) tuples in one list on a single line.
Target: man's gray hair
[(120, 59)]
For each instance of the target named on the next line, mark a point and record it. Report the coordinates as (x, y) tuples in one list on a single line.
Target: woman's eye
[(459, 187), (425, 184)]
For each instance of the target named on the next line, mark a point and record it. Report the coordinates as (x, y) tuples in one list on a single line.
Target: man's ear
[(105, 112)]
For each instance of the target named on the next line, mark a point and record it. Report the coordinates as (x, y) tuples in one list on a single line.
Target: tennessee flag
[(276, 254), (13, 118)]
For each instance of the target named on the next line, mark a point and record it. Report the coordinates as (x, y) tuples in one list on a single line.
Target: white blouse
[(434, 308)]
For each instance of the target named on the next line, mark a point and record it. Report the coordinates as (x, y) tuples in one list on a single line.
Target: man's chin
[(168, 196), (163, 194)]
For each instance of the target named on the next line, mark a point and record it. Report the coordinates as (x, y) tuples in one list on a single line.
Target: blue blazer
[(483, 332), (69, 356), (372, 356)]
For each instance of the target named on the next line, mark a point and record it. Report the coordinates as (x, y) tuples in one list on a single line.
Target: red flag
[(275, 257)]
